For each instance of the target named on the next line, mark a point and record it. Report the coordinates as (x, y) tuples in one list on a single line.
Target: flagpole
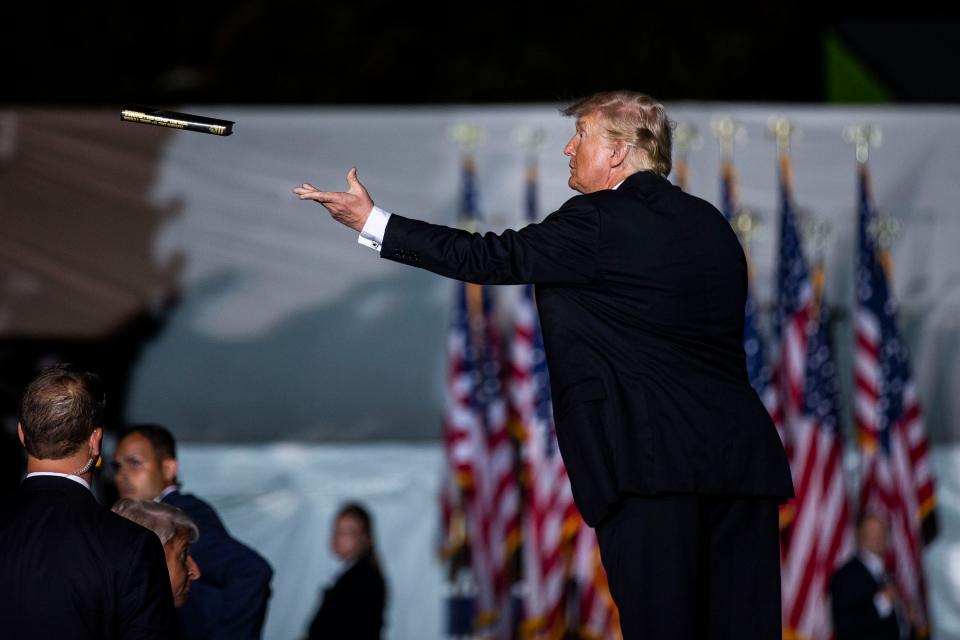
[(728, 133), (685, 137)]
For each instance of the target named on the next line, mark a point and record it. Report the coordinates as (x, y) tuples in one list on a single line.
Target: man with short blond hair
[(640, 289)]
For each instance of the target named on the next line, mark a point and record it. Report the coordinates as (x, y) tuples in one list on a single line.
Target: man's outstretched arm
[(562, 248)]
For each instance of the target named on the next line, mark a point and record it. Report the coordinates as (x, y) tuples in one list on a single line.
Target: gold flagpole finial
[(728, 132), (884, 229), (745, 223), (783, 131), (530, 139), (467, 136), (863, 137), (817, 231), (686, 136)]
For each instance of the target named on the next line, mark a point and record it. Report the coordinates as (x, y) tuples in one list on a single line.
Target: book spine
[(174, 123)]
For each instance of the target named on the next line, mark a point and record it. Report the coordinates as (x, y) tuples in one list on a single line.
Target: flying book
[(176, 120)]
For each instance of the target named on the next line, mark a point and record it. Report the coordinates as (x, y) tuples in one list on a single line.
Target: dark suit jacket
[(352, 609), (72, 569), (641, 294), (229, 600), (855, 617)]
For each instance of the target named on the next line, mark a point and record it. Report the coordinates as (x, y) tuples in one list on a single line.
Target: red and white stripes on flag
[(479, 452), (817, 536), (551, 521), (597, 615), (897, 481)]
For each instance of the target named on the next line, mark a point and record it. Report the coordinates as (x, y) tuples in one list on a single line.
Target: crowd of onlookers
[(159, 563)]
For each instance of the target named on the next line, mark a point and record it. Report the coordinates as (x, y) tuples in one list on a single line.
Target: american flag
[(819, 532), (596, 615), (479, 452), (555, 535), (758, 369), (763, 378), (897, 479)]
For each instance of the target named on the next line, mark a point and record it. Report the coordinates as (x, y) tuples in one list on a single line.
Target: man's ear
[(169, 469), (618, 153), (20, 433), (96, 439)]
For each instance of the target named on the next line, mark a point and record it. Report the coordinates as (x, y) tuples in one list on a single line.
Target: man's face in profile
[(589, 154), (181, 567), (139, 473)]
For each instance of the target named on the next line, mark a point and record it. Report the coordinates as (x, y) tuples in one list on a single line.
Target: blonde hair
[(635, 119)]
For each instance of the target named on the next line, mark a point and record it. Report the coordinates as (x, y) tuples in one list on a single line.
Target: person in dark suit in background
[(70, 568), (352, 608), (863, 599), (640, 289), (176, 532), (229, 601)]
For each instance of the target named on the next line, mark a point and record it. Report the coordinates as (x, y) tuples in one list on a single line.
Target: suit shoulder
[(191, 504), (850, 569), (122, 529), (584, 202)]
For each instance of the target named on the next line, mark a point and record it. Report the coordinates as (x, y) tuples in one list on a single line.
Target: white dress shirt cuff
[(883, 605), (376, 226)]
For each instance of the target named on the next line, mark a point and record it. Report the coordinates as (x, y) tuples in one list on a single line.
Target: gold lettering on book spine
[(218, 129), (139, 116)]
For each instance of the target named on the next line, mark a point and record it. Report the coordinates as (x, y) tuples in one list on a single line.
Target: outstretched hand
[(351, 207)]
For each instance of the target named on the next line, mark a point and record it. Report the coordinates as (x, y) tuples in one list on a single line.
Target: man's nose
[(193, 569)]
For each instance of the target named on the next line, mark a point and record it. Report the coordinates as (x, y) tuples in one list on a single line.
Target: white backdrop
[(281, 499)]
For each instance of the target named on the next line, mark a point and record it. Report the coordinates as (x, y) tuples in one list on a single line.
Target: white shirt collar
[(619, 183), (166, 491), (69, 476)]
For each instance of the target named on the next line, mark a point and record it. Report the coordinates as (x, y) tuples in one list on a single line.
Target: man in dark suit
[(641, 291), (72, 569), (229, 600), (863, 599)]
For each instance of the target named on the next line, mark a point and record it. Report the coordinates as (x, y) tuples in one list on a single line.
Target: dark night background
[(372, 52)]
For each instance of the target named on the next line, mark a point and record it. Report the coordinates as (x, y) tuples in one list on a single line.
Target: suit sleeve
[(145, 602), (563, 248), (242, 576)]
